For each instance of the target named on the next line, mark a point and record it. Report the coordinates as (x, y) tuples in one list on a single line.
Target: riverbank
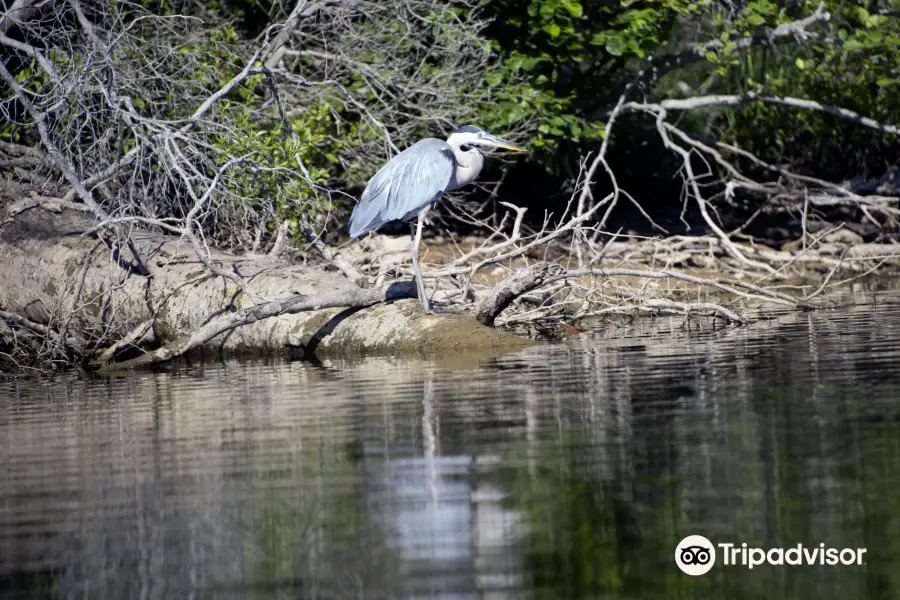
[(76, 295), (71, 295)]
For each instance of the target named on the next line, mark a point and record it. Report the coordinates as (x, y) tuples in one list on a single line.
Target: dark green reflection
[(799, 463)]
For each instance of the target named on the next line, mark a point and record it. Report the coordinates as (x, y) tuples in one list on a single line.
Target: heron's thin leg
[(417, 239)]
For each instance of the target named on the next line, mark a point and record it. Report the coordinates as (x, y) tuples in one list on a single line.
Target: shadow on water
[(568, 470)]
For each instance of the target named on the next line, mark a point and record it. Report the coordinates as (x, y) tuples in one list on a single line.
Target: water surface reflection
[(564, 471)]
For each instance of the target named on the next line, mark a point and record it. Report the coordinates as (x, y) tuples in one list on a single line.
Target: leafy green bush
[(568, 61), (854, 67)]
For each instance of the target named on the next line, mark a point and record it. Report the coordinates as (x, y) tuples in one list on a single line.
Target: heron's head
[(469, 135)]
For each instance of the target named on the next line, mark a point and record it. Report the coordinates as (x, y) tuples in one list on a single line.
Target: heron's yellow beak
[(501, 143), (512, 147)]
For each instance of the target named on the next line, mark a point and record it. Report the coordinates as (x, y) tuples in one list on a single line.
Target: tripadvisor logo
[(696, 555)]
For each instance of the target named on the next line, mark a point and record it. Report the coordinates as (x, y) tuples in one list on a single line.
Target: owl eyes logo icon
[(695, 555)]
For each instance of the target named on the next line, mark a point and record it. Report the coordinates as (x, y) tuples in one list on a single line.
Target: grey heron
[(414, 180)]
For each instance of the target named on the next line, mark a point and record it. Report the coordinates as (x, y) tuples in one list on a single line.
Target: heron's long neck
[(468, 166)]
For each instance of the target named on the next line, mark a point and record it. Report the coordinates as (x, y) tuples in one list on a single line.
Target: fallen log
[(78, 287), (501, 296)]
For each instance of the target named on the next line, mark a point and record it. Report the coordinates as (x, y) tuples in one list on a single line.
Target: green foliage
[(566, 61), (31, 77), (855, 69), (312, 145)]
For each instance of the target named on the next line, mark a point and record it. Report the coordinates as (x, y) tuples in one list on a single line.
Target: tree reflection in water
[(564, 471)]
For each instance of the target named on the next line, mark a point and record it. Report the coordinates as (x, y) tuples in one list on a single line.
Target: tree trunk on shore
[(82, 293)]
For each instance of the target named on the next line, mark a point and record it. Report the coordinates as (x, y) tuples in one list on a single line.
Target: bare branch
[(522, 282), (56, 157), (18, 13), (794, 31), (289, 305), (334, 258), (749, 97)]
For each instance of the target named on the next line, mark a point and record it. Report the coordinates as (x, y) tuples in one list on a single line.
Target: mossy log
[(81, 287)]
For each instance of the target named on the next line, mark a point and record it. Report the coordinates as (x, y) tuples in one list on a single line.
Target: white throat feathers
[(468, 162)]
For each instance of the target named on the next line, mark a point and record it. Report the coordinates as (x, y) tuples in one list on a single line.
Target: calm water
[(569, 470)]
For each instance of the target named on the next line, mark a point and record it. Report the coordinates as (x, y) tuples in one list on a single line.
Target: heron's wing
[(405, 185)]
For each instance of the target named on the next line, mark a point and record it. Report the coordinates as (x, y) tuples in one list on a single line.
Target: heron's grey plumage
[(408, 183), (412, 181)]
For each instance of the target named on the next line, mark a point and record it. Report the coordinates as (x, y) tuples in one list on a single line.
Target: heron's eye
[(465, 147)]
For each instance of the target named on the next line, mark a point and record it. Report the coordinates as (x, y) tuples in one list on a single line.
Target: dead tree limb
[(786, 32), (62, 165), (750, 97), (506, 292), (55, 156), (19, 13), (695, 307), (729, 286), (358, 298), (42, 330), (333, 257)]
